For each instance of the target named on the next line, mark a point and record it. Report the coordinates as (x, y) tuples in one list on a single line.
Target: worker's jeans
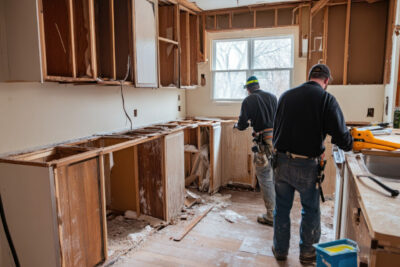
[(264, 175), (301, 175)]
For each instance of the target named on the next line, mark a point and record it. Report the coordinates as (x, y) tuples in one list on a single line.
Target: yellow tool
[(365, 139)]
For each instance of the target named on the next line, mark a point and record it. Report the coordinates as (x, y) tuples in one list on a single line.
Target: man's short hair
[(252, 87), (320, 71)]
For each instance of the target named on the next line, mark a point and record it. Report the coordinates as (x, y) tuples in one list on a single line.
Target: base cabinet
[(372, 251), (237, 157), (54, 213)]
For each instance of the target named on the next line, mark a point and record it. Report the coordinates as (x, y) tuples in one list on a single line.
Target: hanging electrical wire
[(122, 92)]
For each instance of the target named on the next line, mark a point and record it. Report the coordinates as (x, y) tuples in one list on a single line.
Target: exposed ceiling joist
[(318, 6)]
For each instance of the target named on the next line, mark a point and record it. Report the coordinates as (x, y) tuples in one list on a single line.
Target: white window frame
[(250, 70)]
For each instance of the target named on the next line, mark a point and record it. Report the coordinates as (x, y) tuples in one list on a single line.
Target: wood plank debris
[(193, 224)]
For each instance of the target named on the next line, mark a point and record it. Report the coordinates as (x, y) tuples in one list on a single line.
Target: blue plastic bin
[(338, 253)]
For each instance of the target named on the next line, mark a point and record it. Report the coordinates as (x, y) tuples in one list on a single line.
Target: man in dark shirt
[(305, 115), (259, 108)]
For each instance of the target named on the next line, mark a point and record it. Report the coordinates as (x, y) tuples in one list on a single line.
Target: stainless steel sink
[(383, 166)]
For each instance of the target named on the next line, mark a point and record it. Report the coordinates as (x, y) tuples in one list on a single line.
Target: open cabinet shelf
[(189, 34), (67, 40), (168, 44), (114, 35)]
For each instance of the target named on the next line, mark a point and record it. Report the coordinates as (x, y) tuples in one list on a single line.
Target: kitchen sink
[(383, 165)]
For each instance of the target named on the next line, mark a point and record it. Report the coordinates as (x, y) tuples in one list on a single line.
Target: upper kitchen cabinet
[(67, 40), (189, 34), (146, 43), (19, 42), (114, 39), (133, 42), (168, 44)]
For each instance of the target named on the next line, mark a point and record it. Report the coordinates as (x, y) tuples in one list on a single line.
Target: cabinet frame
[(71, 45)]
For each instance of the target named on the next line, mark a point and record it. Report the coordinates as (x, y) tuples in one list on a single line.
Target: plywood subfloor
[(216, 242)]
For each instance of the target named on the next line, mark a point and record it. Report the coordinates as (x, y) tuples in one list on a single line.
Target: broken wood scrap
[(191, 199), (190, 179), (189, 202), (193, 223)]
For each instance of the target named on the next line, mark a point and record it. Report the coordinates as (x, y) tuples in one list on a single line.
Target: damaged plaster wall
[(35, 114)]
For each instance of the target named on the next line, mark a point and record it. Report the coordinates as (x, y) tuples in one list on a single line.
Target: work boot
[(307, 258), (279, 257), (263, 219)]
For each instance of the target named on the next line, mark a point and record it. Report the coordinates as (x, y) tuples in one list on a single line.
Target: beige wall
[(199, 100), (35, 114), (353, 99)]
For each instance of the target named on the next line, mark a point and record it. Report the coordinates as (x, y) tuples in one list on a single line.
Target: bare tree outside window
[(270, 59)]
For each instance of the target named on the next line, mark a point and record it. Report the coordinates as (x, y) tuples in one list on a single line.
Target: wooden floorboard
[(216, 242)]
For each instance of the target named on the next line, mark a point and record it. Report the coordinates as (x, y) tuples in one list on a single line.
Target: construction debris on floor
[(217, 230)]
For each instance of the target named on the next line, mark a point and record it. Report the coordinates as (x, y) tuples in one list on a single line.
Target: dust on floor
[(228, 236)]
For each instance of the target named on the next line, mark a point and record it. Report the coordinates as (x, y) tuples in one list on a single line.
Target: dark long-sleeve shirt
[(305, 115), (258, 108)]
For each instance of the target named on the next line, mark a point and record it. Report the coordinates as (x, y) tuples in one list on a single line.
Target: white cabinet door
[(146, 43), (174, 173)]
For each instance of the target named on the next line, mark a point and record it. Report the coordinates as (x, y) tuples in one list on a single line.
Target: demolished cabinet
[(160, 172), (210, 133), (174, 173), (120, 169), (237, 157), (168, 44), (54, 206), (67, 40), (114, 39)]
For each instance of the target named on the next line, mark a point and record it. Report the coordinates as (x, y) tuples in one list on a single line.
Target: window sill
[(227, 102)]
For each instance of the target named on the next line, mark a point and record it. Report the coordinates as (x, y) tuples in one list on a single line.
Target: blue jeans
[(301, 175), (264, 175)]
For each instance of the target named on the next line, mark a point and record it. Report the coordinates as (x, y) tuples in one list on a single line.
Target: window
[(270, 59)]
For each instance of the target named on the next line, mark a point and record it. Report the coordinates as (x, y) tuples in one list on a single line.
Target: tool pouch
[(260, 157), (263, 151), (260, 160)]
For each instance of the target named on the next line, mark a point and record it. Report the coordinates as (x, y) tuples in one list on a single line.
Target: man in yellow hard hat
[(259, 108)]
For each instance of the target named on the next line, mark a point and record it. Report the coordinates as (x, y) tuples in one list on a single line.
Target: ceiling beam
[(186, 3), (318, 6)]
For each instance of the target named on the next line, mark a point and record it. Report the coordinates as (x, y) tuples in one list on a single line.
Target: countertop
[(382, 212)]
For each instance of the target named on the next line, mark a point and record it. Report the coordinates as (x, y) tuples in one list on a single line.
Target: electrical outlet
[(370, 112), (179, 97), (179, 108), (203, 80), (135, 113)]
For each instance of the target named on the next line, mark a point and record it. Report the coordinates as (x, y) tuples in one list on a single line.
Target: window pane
[(229, 85), (276, 82), (272, 53), (230, 55)]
